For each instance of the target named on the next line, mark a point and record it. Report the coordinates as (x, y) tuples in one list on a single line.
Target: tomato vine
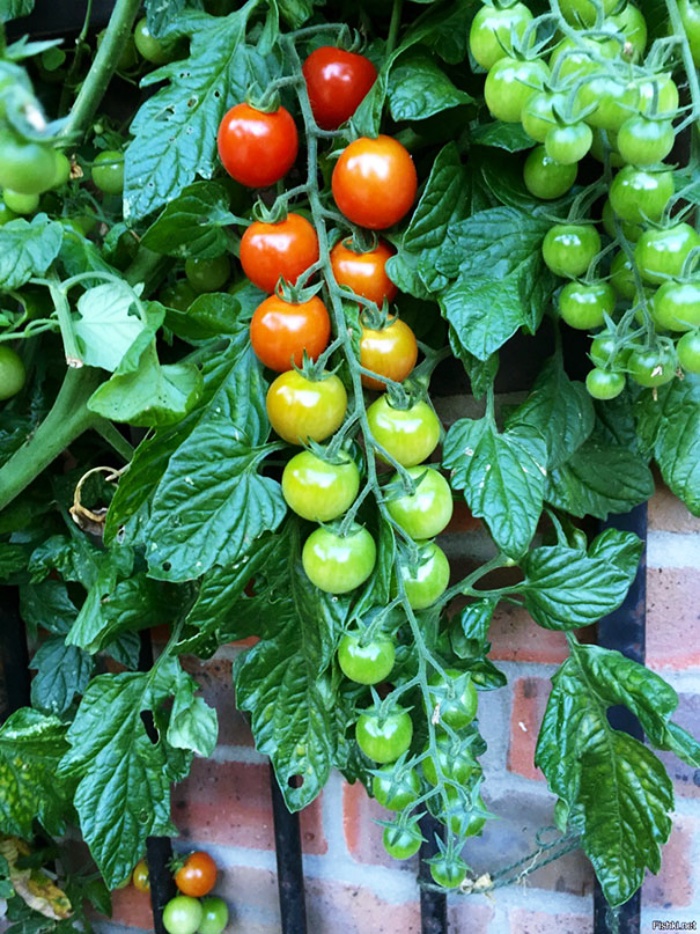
[(246, 332)]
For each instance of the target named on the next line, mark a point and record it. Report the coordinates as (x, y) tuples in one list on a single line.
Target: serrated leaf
[(509, 136), (668, 421), (211, 315), (296, 12), (78, 255), (27, 249), (560, 409), (31, 746), (13, 9), (444, 30), (175, 131), (418, 88), (501, 283), (63, 672), (202, 514), (617, 792), (193, 223), (107, 326), (284, 684), (598, 480), (502, 476), (566, 588), (193, 723), (121, 771)]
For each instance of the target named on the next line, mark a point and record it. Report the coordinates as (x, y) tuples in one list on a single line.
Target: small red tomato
[(284, 250), (364, 273), (391, 352), (337, 81), (257, 148), (374, 182), (281, 331), (197, 875)]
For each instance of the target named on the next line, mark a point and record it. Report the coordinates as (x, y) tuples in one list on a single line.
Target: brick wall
[(351, 885)]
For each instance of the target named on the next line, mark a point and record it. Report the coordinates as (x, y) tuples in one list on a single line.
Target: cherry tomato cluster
[(590, 91), (194, 910)]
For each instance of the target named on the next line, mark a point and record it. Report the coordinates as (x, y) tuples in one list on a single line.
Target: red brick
[(132, 908), (529, 702), (685, 778), (253, 898), (462, 519), (538, 922), (340, 908), (667, 513), (673, 886), (363, 836), (230, 803), (515, 637), (215, 679), (673, 618)]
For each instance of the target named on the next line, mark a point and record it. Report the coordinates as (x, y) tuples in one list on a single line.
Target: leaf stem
[(102, 69), (394, 25)]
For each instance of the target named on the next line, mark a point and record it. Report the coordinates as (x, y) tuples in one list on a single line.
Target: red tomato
[(282, 250), (197, 875), (257, 148), (364, 273), (391, 352), (374, 182), (281, 331), (336, 81)]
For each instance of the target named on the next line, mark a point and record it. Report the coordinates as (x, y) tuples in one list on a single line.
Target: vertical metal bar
[(159, 850), (290, 872), (13, 652), (433, 905), (625, 630)]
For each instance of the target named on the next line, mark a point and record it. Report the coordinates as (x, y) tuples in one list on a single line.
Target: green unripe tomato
[(25, 167), (62, 169), (366, 662), (12, 373), (179, 295), (622, 276), (631, 232), (182, 915), (338, 563), (604, 384), (653, 367), (19, 203), (427, 511), (545, 178), (455, 696), (568, 144), (510, 83), (317, 489), (538, 115), (207, 275), (642, 141), (215, 915), (688, 350), (108, 171), (676, 306), (401, 841), (384, 738), (396, 789), (661, 253), (638, 195), (151, 49), (492, 31), (569, 249), (428, 580), (6, 215), (606, 353), (690, 17), (583, 305), (584, 12)]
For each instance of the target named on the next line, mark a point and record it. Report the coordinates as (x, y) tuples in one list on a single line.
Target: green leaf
[(616, 790), (31, 746), (175, 130), (13, 560), (152, 395), (27, 249), (164, 14), (121, 771), (566, 588), (285, 685), (600, 479), (296, 12), (63, 672), (668, 421), (501, 283), (193, 724), (79, 255), (418, 88), (509, 136), (502, 476), (107, 326), (193, 224), (203, 515), (445, 30), (211, 315), (12, 9), (560, 410)]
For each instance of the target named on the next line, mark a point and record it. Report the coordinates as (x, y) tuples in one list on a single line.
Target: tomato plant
[(257, 148), (281, 331), (155, 465), (337, 82), (374, 182), (280, 250)]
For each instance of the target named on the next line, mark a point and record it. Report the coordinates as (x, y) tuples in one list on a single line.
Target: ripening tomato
[(337, 82), (390, 352), (364, 272), (257, 148), (427, 511), (197, 875), (283, 250), (302, 410), (281, 331), (374, 182), (408, 435), (140, 877)]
